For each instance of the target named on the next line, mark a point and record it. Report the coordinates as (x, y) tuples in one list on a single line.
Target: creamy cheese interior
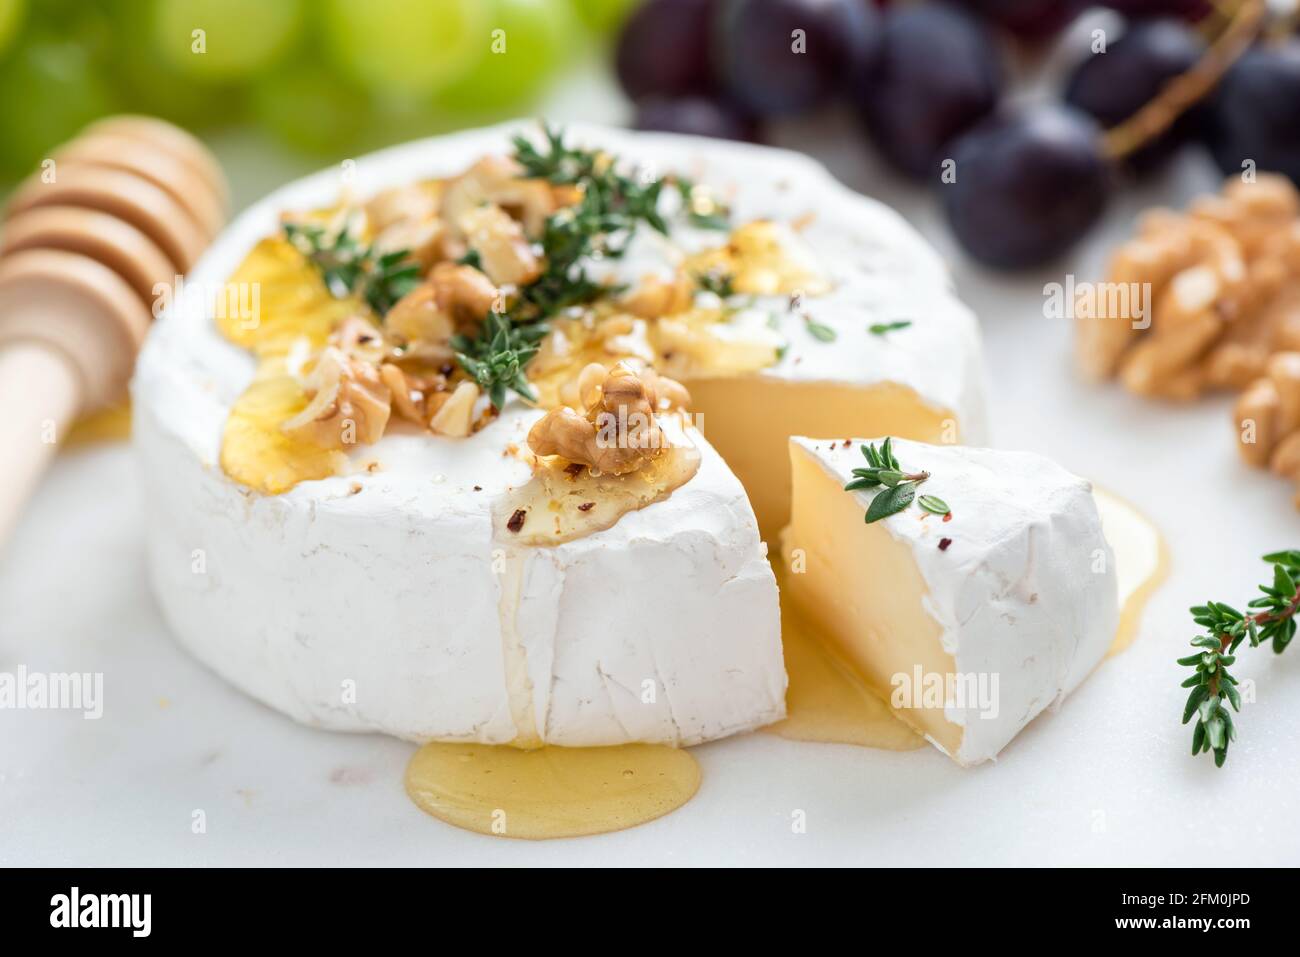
[(862, 588), (750, 421)]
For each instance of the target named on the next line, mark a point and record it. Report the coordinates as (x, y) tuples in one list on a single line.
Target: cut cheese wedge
[(970, 623)]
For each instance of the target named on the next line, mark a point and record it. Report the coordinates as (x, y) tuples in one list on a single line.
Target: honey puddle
[(827, 702), (571, 792), (1141, 562), (550, 792), (112, 424)]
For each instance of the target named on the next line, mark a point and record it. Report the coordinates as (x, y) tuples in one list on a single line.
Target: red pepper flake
[(517, 520), (586, 506), (947, 516), (944, 543)]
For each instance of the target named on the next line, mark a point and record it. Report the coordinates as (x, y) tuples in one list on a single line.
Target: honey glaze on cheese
[(559, 505), (295, 316), (829, 702), (550, 792), (295, 312)]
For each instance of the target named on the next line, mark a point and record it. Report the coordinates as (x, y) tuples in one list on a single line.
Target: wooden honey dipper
[(130, 203)]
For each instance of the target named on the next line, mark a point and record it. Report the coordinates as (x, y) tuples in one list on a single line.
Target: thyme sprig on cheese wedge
[(883, 328), (1273, 621), (898, 488)]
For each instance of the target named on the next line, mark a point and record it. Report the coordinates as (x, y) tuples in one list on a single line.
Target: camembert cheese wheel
[(440, 581)]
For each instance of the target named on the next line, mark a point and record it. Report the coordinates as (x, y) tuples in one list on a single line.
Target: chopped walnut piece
[(505, 253), (657, 297), (349, 403), (359, 338), (496, 180), (1199, 301), (615, 432), (418, 321), (406, 217), (422, 242), (454, 416), (415, 202), (410, 393), (463, 291)]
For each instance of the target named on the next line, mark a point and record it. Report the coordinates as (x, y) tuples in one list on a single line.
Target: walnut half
[(615, 432), (1199, 301), (349, 403)]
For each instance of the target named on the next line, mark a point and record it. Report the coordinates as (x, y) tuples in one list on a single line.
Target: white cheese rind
[(1027, 588), (380, 610)]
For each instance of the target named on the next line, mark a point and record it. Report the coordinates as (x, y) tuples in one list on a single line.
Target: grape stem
[(1184, 91)]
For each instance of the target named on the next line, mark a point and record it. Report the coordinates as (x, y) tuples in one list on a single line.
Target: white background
[(1106, 780)]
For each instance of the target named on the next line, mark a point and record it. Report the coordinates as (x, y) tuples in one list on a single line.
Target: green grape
[(11, 20), (522, 44), (150, 84), (400, 48), (239, 38), (48, 91), (603, 17), (310, 108)]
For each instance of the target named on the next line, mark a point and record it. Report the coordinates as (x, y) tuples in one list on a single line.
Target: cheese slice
[(970, 623)]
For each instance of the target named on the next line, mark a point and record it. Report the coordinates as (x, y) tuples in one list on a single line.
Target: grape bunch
[(1020, 184), (334, 77)]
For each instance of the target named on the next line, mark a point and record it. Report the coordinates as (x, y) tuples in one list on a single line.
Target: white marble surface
[(1106, 780)]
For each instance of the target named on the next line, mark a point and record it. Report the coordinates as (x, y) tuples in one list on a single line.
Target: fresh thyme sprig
[(721, 284), (899, 487), (610, 208), (496, 358), (1274, 621), (602, 222), (703, 210), (349, 266)]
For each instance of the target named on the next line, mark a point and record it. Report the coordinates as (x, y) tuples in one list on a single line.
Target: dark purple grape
[(937, 75), (1190, 10), (695, 115), (777, 57), (1032, 20), (1256, 112), (1027, 186), (664, 49), (1114, 85)]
